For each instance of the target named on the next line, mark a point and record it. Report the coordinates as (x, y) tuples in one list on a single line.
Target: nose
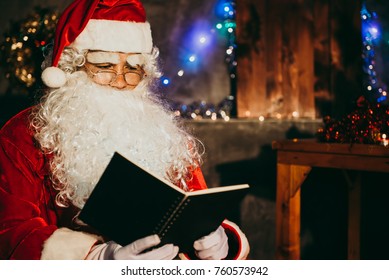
[(119, 82)]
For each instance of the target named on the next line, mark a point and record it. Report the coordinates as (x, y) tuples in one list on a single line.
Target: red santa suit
[(32, 225)]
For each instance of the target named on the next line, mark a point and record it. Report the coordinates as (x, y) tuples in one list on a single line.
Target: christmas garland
[(22, 49), (367, 124)]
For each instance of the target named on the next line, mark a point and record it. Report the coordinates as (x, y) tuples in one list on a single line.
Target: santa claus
[(99, 100)]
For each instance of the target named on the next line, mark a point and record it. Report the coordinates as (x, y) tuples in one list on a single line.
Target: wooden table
[(295, 159)]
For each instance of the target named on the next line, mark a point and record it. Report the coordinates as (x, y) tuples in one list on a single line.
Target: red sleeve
[(197, 182), (23, 226)]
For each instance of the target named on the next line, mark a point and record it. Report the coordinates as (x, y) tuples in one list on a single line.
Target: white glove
[(213, 246), (133, 251)]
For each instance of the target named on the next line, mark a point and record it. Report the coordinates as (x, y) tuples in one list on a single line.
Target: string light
[(202, 39), (371, 37), (369, 122), (165, 81), (192, 58)]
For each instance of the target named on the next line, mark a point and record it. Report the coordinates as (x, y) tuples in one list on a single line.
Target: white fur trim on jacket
[(115, 36), (66, 244), (244, 246)]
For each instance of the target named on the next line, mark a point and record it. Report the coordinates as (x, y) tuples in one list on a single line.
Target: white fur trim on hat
[(115, 36), (66, 244), (53, 77)]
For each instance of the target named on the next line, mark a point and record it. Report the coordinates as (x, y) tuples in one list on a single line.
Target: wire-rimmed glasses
[(109, 76)]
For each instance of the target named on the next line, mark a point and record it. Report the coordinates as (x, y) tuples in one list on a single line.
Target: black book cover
[(129, 203)]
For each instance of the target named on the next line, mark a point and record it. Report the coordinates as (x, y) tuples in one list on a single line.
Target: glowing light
[(196, 44), (224, 9), (18, 45), (382, 98), (295, 114), (165, 81), (230, 25), (369, 88), (261, 118), (199, 36), (374, 32), (25, 38), (385, 141)]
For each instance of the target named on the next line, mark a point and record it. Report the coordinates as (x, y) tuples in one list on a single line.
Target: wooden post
[(289, 181), (354, 215)]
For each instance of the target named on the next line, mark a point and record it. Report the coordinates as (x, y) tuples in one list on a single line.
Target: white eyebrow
[(103, 57), (136, 59)]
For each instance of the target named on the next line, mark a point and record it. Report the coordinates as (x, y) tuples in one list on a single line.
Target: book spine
[(167, 216), (170, 220)]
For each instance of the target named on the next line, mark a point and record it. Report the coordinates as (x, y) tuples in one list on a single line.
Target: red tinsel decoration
[(367, 124)]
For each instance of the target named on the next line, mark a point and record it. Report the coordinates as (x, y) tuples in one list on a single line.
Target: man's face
[(115, 69)]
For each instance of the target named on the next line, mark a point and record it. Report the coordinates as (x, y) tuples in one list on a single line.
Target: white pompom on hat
[(106, 25), (53, 77)]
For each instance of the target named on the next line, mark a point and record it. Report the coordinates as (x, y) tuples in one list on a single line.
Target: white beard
[(84, 124)]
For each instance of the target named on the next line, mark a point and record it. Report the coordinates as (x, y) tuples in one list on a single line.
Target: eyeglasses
[(109, 76)]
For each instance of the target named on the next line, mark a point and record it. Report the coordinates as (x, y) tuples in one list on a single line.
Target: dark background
[(239, 151)]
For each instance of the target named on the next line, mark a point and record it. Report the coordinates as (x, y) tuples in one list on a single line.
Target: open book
[(129, 203)]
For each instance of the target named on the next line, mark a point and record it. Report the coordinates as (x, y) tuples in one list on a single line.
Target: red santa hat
[(106, 25)]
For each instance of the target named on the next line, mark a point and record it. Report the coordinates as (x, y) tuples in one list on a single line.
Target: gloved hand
[(213, 246), (133, 251)]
